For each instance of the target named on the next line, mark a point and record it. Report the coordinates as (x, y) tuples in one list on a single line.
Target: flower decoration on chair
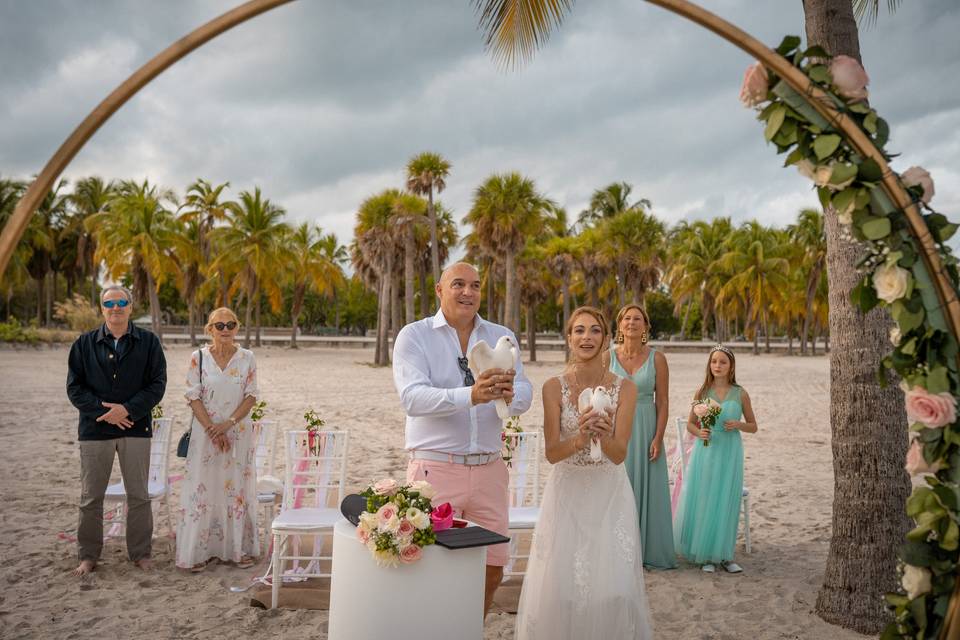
[(894, 275), (399, 521), (509, 436), (157, 412), (314, 425), (707, 411)]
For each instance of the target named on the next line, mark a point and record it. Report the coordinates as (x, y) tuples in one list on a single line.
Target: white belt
[(469, 459)]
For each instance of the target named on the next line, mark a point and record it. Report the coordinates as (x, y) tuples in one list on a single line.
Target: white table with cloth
[(438, 597)]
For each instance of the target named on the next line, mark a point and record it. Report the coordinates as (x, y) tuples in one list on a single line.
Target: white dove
[(600, 400), (503, 356)]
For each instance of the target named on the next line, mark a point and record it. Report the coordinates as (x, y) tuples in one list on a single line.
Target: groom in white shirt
[(452, 431)]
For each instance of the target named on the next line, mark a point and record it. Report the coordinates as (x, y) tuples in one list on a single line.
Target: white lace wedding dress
[(585, 573)]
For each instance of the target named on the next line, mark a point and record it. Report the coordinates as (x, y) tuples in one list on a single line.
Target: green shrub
[(78, 314)]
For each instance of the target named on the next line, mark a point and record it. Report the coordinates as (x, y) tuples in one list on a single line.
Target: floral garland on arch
[(924, 352)]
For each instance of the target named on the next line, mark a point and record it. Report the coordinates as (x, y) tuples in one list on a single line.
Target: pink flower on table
[(700, 410), (753, 91), (410, 553), (916, 464), (386, 487), (442, 517), (849, 78), (933, 410), (919, 176)]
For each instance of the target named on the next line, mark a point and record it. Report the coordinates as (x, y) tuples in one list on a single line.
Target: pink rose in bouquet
[(442, 517), (932, 409), (707, 411), (406, 528), (700, 410), (753, 91), (410, 553), (849, 78), (386, 487)]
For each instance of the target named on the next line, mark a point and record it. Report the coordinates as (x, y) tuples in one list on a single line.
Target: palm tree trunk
[(40, 296), (257, 302), (248, 321), (383, 322), (396, 305), (408, 273), (532, 331), (298, 292), (491, 291), (192, 320), (434, 248), (868, 423), (686, 318), (155, 316), (766, 331), (424, 296), (510, 298), (812, 281)]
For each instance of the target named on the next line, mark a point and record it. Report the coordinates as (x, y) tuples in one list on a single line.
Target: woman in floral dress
[(218, 505)]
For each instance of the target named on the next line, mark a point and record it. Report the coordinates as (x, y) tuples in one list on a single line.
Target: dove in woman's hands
[(599, 400)]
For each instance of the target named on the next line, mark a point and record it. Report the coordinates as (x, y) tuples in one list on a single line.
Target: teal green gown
[(705, 526), (651, 488)]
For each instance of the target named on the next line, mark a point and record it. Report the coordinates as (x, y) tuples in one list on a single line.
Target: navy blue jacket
[(134, 374)]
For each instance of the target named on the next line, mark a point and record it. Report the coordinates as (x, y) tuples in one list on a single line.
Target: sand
[(788, 471)]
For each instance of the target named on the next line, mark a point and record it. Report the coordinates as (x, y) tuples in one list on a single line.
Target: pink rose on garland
[(916, 463), (919, 176), (933, 410), (753, 91), (442, 517), (849, 78), (410, 553)]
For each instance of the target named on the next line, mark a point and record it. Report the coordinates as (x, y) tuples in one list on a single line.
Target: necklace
[(582, 386)]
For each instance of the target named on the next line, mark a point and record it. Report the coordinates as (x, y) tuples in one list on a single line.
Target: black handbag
[(184, 445)]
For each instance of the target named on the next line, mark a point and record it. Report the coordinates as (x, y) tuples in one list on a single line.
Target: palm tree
[(561, 255), (536, 282), (447, 238), (426, 172), (253, 244), (16, 273), (408, 215), (188, 261), (695, 271), (809, 234), (375, 245), (314, 268), (133, 235), (634, 246), (758, 270), (610, 202), (90, 196), (203, 203), (507, 209), (42, 260)]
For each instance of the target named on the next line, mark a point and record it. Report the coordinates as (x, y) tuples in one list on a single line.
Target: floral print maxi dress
[(218, 501)]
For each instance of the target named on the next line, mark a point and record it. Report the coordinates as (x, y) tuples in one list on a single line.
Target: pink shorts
[(476, 493)]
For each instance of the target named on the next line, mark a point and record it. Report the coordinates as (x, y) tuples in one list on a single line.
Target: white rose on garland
[(891, 282), (895, 335), (915, 581)]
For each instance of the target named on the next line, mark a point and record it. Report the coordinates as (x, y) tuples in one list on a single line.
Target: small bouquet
[(256, 414), (314, 425), (707, 411), (400, 521), (509, 437)]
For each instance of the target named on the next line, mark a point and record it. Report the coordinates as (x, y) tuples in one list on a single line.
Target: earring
[(619, 338), (643, 338)]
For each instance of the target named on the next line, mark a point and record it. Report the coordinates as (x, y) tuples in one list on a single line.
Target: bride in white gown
[(585, 573)]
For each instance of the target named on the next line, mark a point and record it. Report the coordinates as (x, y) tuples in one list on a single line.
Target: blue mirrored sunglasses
[(110, 304)]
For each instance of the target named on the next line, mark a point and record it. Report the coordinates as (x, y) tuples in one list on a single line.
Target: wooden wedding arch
[(813, 95)]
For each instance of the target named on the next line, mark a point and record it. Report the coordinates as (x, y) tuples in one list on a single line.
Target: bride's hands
[(599, 424)]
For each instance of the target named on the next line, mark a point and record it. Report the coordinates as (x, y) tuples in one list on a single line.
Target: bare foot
[(86, 566), (144, 564)]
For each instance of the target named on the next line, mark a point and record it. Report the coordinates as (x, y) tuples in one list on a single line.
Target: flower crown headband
[(722, 348)]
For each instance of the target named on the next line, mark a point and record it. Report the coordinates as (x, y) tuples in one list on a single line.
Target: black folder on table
[(468, 537)]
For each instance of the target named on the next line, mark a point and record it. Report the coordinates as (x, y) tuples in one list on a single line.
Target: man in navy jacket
[(117, 374)]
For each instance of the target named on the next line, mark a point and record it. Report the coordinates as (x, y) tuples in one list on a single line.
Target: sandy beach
[(788, 472)]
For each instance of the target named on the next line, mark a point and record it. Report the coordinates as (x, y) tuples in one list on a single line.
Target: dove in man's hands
[(503, 356), (598, 399)]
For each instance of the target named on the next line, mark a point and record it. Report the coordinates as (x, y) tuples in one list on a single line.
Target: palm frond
[(515, 29), (867, 11)]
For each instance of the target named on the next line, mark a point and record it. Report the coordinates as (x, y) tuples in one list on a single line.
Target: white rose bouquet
[(707, 411), (397, 523)]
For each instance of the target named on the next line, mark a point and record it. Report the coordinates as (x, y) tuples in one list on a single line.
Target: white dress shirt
[(440, 416)]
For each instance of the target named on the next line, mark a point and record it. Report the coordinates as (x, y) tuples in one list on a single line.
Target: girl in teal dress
[(705, 525), (646, 465)]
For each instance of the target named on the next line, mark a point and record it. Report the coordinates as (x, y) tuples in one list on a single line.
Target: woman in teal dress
[(705, 526), (646, 465)]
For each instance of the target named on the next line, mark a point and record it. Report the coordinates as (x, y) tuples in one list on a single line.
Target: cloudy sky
[(321, 103)]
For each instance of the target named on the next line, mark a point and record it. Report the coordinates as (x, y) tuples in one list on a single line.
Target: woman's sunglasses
[(220, 326), (110, 304)]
